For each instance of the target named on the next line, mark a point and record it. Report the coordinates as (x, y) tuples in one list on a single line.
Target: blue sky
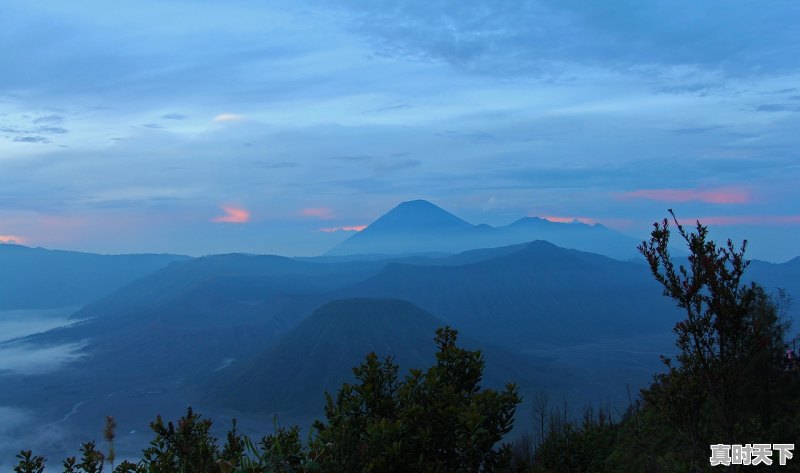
[(208, 126)]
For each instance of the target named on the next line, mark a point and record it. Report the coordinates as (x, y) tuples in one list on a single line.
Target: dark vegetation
[(318, 355), (729, 383), (434, 420), (178, 328)]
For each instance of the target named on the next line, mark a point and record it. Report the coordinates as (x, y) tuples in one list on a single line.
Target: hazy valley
[(263, 337)]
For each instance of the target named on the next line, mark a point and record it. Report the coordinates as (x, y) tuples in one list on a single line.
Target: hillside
[(37, 278), (290, 377), (420, 227), (539, 293)]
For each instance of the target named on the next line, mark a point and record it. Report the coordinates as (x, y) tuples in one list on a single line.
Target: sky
[(284, 127)]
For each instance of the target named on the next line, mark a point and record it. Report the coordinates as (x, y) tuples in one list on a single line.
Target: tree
[(432, 421), (730, 342)]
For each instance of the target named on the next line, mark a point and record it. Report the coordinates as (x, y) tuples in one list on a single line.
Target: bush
[(439, 420)]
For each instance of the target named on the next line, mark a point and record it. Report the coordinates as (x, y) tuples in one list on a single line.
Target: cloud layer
[(129, 135)]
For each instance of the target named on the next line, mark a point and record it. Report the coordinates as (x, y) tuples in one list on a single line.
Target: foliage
[(29, 463), (91, 460), (727, 384), (728, 380), (437, 420), (109, 432)]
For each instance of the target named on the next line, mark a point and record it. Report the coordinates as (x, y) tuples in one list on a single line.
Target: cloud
[(744, 220), (354, 228), (588, 120), (154, 126), (25, 322), (29, 133), (398, 165), (21, 356), (31, 359), (322, 213), (714, 196), (276, 165), (390, 108), (31, 139), (353, 158), (12, 239), (233, 215), (228, 117), (48, 119), (586, 220), (777, 107), (57, 130), (541, 36), (699, 130)]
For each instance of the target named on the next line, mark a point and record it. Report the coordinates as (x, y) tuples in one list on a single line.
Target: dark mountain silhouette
[(419, 227), (538, 293), (37, 278), (318, 355), (521, 294), (240, 279), (421, 213), (594, 238), (775, 276), (175, 330)]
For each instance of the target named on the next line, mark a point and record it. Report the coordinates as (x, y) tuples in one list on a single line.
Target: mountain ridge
[(419, 226), (318, 356), (71, 278)]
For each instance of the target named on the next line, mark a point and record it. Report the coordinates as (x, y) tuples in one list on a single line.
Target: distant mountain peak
[(418, 203), (547, 221), (422, 214), (415, 217), (419, 226)]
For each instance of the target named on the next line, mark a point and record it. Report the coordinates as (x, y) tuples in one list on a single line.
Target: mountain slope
[(318, 355), (37, 278), (420, 227), (540, 293), (412, 227), (238, 278)]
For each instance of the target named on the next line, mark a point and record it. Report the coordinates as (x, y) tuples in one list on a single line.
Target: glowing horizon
[(711, 196), (353, 228)]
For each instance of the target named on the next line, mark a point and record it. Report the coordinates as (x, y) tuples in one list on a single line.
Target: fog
[(22, 356), (21, 323), (22, 428), (18, 355), (26, 358), (12, 423)]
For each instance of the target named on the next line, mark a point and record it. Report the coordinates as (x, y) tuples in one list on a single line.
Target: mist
[(19, 355), (22, 323)]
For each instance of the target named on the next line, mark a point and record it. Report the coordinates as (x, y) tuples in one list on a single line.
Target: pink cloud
[(322, 213), (12, 239), (712, 196), (233, 215), (744, 220), (354, 228)]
